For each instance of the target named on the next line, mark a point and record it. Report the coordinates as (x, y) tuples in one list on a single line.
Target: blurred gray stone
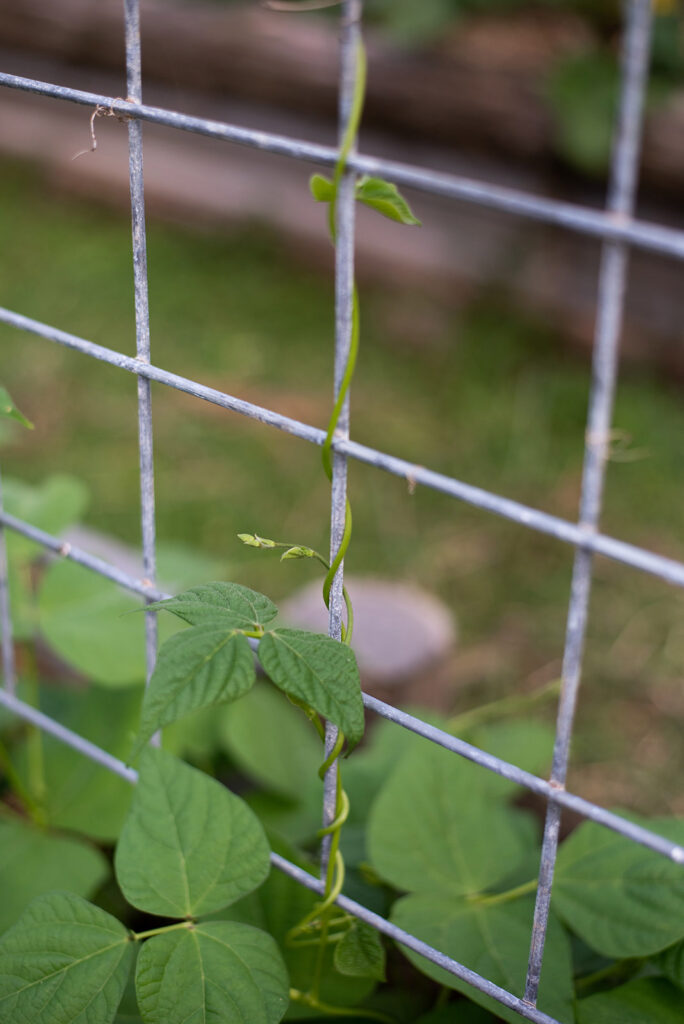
[(400, 630)]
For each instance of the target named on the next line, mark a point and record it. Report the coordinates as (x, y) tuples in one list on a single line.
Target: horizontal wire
[(444, 739), (571, 533), (67, 736), (595, 223)]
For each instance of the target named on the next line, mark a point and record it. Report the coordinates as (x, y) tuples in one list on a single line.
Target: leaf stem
[(338, 1011), (504, 897), (617, 973), (34, 742), (503, 707), (138, 936), (19, 789)]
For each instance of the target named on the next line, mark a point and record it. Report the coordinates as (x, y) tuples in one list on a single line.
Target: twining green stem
[(336, 937), (335, 866), (139, 936), (305, 552), (504, 897), (34, 743), (317, 915), (345, 148), (255, 633), (339, 820), (307, 999), (505, 706), (349, 134), (33, 809), (331, 758)]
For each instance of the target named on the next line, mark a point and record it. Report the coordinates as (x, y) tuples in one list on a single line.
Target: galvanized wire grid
[(617, 229)]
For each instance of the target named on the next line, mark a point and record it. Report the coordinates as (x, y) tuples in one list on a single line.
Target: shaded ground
[(487, 396)]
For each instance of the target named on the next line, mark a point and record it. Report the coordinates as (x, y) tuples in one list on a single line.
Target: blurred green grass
[(486, 395)]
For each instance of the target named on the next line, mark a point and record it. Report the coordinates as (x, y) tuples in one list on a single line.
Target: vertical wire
[(344, 300), (142, 317), (611, 293), (8, 666)]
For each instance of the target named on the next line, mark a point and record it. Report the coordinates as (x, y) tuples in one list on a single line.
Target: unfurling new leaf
[(322, 189), (386, 198), (9, 410)]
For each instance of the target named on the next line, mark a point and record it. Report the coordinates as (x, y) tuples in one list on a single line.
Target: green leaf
[(671, 963), (195, 669), (226, 604), (189, 846), (9, 410), (360, 953), (82, 616), (386, 198), (64, 962), (644, 1001), (218, 971), (621, 898), (298, 551), (583, 92), (53, 505), (322, 189), (527, 744), (319, 671), (494, 940), (468, 1013), (84, 796), (271, 741), (425, 829), (33, 862)]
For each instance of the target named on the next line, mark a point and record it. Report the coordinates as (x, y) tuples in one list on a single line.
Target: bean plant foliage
[(186, 923), (195, 925)]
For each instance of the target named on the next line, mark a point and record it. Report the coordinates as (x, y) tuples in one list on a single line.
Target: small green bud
[(249, 539), (299, 551), (253, 540)]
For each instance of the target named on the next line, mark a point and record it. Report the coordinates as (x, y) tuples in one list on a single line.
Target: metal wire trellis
[(618, 230)]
